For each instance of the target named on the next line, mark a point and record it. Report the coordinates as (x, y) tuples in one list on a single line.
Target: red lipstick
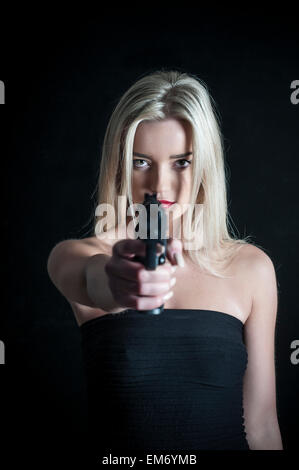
[(166, 203)]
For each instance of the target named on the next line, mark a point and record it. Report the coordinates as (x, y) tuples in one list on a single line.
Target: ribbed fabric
[(167, 382)]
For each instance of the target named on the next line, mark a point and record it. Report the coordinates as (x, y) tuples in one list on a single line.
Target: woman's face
[(162, 160)]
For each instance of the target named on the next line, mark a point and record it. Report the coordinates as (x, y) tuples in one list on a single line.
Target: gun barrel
[(156, 233)]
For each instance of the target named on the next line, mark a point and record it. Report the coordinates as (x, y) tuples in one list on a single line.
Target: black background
[(63, 75)]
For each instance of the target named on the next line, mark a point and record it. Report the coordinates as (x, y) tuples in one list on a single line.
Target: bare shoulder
[(254, 259), (82, 246), (261, 270), (258, 272), (105, 241), (254, 264), (102, 245)]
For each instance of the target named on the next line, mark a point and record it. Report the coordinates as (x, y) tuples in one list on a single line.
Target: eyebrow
[(182, 155)]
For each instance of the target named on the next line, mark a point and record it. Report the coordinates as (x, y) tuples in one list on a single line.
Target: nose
[(160, 182)]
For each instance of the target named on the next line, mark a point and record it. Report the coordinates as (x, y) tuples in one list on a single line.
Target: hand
[(134, 287)]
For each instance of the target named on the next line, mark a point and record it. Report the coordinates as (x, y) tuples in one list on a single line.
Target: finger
[(135, 271), (174, 252), (144, 289), (166, 269), (145, 303), (129, 248), (122, 268)]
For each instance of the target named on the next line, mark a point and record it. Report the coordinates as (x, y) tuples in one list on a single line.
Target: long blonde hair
[(157, 96)]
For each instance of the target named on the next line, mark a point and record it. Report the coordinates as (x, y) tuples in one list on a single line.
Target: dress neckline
[(205, 310), (224, 314)]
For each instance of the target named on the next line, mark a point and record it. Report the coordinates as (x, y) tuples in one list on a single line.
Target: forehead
[(171, 134)]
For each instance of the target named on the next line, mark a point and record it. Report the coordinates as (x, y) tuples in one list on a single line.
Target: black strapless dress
[(167, 382)]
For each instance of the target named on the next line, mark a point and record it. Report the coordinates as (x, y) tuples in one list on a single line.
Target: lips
[(166, 203)]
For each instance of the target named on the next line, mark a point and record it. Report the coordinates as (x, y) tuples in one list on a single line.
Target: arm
[(259, 392), (77, 269)]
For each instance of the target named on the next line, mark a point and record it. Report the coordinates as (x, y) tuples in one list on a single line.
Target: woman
[(201, 375)]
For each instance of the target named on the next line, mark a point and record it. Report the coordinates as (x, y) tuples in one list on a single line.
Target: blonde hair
[(157, 96)]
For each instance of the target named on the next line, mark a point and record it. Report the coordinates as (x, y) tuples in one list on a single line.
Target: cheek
[(185, 183), (137, 179), (138, 182)]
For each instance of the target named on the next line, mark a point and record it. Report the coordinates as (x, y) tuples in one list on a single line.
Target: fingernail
[(167, 296), (179, 259), (172, 282), (173, 269)]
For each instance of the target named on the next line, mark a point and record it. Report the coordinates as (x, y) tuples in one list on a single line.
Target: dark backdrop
[(63, 75)]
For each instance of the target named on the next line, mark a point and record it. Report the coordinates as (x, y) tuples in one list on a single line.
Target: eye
[(188, 163), (180, 167), (138, 160)]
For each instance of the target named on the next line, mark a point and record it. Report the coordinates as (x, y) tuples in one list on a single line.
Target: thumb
[(175, 252), (128, 248)]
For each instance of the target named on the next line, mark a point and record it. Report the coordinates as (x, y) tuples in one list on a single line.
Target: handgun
[(156, 226)]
